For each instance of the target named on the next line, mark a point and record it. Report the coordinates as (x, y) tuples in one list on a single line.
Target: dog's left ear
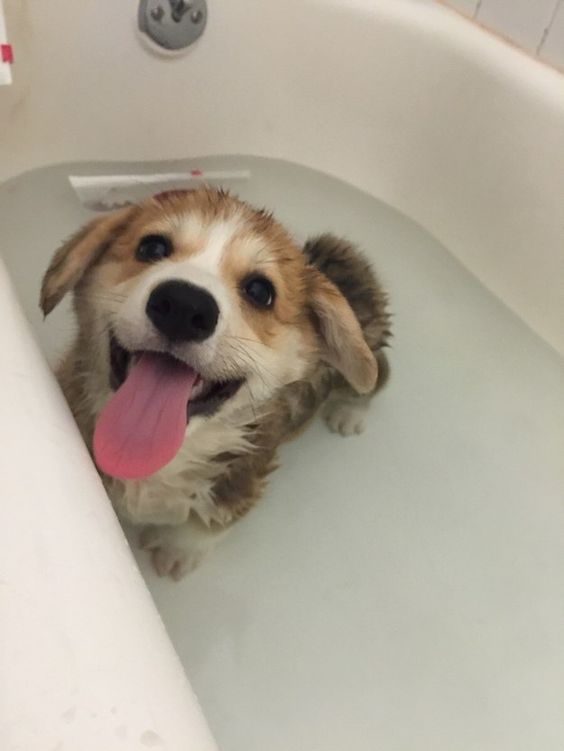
[(78, 254), (342, 342)]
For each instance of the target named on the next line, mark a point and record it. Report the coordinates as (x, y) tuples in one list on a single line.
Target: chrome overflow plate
[(172, 24)]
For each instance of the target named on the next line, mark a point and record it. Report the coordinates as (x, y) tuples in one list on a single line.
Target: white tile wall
[(535, 25), (468, 7), (551, 48), (524, 21)]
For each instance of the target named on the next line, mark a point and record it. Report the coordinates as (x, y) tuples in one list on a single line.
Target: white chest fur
[(186, 484)]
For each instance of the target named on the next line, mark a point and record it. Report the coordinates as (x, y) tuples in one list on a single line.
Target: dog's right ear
[(78, 254), (342, 343)]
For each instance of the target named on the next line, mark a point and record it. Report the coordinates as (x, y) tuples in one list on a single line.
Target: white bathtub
[(461, 134)]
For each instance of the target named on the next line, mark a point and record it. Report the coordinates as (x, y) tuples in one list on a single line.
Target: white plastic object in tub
[(103, 192), (95, 669)]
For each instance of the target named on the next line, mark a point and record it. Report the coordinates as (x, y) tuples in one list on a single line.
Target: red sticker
[(6, 53)]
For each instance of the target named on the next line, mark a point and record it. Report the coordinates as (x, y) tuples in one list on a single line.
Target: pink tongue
[(142, 427)]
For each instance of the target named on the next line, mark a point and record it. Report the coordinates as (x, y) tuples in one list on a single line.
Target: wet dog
[(206, 338)]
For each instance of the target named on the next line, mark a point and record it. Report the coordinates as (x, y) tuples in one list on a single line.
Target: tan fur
[(321, 343), (73, 259), (343, 344), (269, 251)]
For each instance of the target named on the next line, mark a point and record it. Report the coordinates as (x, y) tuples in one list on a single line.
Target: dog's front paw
[(345, 418), (171, 552)]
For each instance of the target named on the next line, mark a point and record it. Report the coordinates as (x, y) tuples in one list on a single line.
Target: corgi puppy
[(206, 338)]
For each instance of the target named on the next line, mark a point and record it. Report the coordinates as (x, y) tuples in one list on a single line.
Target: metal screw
[(157, 14), (179, 8)]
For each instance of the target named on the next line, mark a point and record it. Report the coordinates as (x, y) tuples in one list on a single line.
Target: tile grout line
[(546, 31), (498, 32)]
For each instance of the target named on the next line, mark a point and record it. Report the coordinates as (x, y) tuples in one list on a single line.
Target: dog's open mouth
[(142, 426), (206, 397)]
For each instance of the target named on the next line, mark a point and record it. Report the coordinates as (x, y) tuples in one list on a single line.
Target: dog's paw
[(172, 552), (345, 418)]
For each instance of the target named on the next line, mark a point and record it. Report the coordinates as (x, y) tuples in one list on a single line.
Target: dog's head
[(206, 279)]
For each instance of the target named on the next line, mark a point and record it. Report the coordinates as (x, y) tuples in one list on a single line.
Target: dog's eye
[(153, 248), (259, 290)]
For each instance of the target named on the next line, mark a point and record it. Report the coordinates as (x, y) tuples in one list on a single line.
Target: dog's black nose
[(182, 312)]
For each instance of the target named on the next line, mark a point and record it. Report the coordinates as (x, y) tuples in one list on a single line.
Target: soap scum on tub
[(206, 338)]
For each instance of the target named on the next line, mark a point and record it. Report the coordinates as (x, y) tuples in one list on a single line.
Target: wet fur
[(222, 469)]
